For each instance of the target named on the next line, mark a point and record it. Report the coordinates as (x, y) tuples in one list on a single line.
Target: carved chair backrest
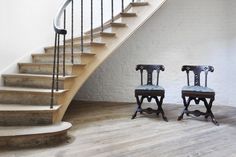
[(197, 73), (150, 69)]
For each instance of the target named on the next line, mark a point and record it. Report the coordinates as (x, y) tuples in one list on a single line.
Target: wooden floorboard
[(106, 130)]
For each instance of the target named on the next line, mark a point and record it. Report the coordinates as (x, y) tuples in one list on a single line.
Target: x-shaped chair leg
[(160, 109), (209, 111), (139, 109), (186, 104)]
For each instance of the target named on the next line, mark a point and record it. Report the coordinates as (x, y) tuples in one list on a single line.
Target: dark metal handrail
[(56, 21)]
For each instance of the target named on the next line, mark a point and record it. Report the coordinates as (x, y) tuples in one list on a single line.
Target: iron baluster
[(53, 72), (82, 27), (102, 28), (112, 11), (58, 58), (91, 21), (72, 31), (122, 6), (64, 46)]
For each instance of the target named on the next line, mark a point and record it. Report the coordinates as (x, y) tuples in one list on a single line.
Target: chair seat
[(149, 90), (197, 90)]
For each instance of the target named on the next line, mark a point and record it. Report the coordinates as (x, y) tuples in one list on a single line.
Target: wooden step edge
[(66, 54), (124, 14), (86, 44), (27, 108), (49, 64), (33, 130), (118, 24), (94, 43), (138, 4), (14, 137), (96, 34), (18, 75), (67, 45), (107, 34), (31, 90), (85, 37)]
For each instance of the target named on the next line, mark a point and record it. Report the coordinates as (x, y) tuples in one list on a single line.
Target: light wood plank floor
[(106, 130)]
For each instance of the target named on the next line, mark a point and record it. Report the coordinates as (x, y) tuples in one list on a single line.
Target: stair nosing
[(27, 108), (128, 14), (31, 90), (107, 34), (139, 4), (66, 53), (50, 64), (25, 75), (118, 24), (75, 44), (15, 131)]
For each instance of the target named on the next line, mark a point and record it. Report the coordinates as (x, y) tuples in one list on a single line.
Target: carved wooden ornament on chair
[(198, 93), (149, 90)]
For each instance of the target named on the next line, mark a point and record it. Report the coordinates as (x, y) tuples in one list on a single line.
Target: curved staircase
[(26, 118)]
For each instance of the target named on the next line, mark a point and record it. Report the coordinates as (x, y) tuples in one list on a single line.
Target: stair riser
[(137, 4), (28, 98), (43, 69), (118, 25), (45, 83), (68, 49), (128, 15), (23, 118), (49, 59), (104, 34), (26, 141)]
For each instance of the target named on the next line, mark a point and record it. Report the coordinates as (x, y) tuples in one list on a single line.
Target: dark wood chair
[(149, 90), (198, 93)]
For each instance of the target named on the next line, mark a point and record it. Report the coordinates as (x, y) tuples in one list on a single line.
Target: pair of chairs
[(195, 92)]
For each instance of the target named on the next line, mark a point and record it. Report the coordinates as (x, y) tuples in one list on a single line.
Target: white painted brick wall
[(181, 32)]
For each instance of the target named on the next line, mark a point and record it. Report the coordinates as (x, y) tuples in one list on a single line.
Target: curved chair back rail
[(150, 69), (197, 73)]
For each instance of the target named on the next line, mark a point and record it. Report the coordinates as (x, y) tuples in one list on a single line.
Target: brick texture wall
[(181, 32)]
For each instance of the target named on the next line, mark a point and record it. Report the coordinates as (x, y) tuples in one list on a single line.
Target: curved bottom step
[(32, 136)]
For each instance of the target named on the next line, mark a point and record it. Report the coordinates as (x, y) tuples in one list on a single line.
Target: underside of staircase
[(26, 118)]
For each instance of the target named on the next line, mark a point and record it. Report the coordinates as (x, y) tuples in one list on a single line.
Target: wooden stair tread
[(107, 34), (97, 43), (75, 44), (128, 14), (47, 68), (33, 130), (30, 108), (32, 90), (118, 24), (66, 53), (36, 76), (50, 64), (137, 4), (86, 37), (78, 44)]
